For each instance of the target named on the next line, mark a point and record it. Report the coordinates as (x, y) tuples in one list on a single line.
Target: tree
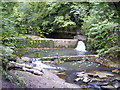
[(102, 29)]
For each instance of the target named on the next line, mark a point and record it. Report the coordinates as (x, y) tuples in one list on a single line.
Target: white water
[(80, 46), (39, 63)]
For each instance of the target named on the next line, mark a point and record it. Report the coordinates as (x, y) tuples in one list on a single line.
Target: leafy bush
[(102, 30), (100, 21), (6, 54)]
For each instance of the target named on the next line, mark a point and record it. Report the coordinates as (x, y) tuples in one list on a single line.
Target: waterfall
[(80, 46)]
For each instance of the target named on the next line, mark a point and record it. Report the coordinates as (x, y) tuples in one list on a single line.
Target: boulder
[(108, 86), (116, 71), (86, 79), (24, 59), (78, 79), (34, 71), (37, 72), (104, 74)]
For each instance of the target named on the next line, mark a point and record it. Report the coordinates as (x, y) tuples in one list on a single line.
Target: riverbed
[(69, 70)]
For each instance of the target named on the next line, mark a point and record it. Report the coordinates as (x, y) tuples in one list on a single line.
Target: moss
[(27, 42)]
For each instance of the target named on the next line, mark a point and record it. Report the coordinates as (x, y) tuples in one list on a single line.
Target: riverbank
[(47, 80), (37, 77)]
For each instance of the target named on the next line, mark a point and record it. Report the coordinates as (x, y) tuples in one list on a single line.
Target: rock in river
[(108, 86)]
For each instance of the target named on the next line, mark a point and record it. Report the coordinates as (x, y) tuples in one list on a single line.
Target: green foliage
[(20, 81), (45, 17), (6, 55), (98, 21), (7, 28), (7, 76), (102, 30), (62, 23), (41, 18), (6, 52), (113, 51)]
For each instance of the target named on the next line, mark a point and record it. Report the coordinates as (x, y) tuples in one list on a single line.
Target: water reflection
[(51, 52)]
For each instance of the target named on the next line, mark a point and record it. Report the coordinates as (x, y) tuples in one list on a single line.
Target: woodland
[(98, 21)]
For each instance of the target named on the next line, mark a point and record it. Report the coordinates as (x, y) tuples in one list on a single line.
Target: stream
[(85, 73), (49, 52), (69, 70)]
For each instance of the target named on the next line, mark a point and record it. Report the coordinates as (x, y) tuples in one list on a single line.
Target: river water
[(68, 70), (49, 52)]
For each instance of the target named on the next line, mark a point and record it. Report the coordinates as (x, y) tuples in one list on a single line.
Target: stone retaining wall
[(45, 43), (65, 43)]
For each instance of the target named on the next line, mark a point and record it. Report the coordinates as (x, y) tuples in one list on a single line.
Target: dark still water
[(49, 52)]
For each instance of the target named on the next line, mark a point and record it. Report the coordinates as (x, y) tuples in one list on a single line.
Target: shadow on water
[(79, 50), (50, 52)]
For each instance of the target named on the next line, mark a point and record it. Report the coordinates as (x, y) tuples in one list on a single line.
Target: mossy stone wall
[(45, 43)]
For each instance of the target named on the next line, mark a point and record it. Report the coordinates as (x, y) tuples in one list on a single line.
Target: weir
[(53, 53), (69, 63), (65, 54), (79, 50), (45, 43), (79, 72)]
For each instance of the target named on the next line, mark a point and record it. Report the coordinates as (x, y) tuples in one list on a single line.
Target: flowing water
[(81, 46), (66, 70), (79, 50), (50, 52)]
